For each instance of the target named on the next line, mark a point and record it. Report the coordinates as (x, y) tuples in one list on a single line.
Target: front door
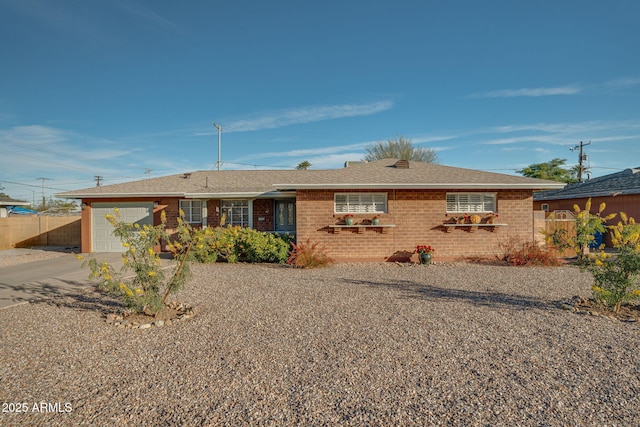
[(286, 216)]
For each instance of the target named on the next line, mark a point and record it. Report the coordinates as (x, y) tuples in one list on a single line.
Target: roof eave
[(463, 186), (115, 195)]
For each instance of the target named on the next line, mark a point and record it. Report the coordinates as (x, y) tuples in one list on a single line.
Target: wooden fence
[(563, 223), (32, 230)]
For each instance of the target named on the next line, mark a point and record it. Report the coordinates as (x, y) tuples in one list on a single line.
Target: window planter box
[(382, 228), (472, 227)]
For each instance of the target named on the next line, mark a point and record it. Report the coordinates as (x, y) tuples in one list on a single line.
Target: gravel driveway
[(353, 344)]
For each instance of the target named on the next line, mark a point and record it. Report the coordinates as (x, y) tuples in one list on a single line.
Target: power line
[(581, 158), (33, 185), (44, 200)]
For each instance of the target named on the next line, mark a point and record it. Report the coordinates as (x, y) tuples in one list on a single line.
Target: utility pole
[(98, 179), (219, 137), (44, 200), (147, 172), (581, 158)]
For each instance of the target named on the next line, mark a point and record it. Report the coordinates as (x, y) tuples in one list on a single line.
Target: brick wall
[(418, 217), (263, 215)]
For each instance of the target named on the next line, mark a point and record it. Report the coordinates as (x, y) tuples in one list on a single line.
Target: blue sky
[(126, 89)]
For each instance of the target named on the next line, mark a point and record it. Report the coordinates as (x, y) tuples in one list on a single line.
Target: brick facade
[(418, 216)]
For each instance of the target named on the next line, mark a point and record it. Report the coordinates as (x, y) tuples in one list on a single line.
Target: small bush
[(617, 277), (233, 244), (308, 255), (528, 254)]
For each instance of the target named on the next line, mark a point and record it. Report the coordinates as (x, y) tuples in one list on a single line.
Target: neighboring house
[(620, 192), (7, 204), (415, 203)]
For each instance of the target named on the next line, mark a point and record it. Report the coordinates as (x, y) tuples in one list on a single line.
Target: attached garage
[(102, 231)]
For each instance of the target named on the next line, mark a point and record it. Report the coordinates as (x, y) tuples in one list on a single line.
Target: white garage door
[(103, 238)]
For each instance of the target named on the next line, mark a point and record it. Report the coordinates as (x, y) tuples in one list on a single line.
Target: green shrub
[(617, 276), (308, 255), (233, 244)]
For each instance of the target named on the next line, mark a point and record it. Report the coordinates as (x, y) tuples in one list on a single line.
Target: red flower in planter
[(424, 249)]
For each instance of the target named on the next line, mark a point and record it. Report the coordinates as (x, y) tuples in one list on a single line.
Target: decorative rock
[(183, 311)]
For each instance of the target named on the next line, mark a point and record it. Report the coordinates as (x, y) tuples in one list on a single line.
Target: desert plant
[(617, 276), (587, 224), (518, 253), (308, 255), (150, 287)]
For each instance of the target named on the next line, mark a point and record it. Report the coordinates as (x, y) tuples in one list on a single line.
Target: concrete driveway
[(47, 278)]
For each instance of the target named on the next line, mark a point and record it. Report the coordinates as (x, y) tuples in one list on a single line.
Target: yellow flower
[(597, 288), (80, 257), (132, 250), (129, 293), (602, 207), (143, 233), (151, 251), (139, 291), (151, 273)]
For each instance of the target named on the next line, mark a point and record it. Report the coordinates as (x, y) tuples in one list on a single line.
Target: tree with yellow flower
[(617, 275), (150, 286)]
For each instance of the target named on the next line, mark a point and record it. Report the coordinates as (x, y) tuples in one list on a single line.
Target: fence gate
[(563, 224)]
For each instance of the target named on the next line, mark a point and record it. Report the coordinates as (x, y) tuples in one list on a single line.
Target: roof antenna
[(219, 137)]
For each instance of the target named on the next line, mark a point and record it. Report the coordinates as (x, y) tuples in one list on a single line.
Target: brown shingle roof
[(252, 183)]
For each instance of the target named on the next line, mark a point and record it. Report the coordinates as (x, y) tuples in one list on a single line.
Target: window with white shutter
[(471, 202), (360, 202)]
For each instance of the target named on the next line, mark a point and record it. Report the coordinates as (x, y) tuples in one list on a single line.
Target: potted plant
[(491, 217), (375, 220), (424, 252), (464, 219), (348, 219)]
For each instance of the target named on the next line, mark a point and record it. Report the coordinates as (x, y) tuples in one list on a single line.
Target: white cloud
[(622, 83), (529, 92), (293, 116)]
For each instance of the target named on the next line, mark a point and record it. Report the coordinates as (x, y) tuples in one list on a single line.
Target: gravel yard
[(353, 344)]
